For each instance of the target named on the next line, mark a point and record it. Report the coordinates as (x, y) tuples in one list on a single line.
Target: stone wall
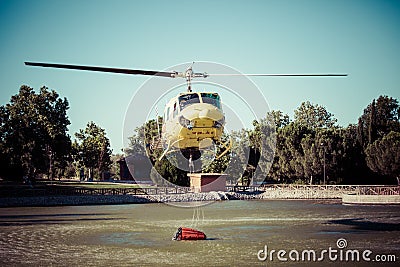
[(272, 193), (371, 199)]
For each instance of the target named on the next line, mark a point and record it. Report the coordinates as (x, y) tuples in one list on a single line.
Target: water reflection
[(363, 224), (21, 220)]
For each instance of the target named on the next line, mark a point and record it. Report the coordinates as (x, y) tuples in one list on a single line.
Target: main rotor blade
[(285, 75), (103, 69)]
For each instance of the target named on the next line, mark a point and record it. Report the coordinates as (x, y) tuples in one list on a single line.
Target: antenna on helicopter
[(188, 76)]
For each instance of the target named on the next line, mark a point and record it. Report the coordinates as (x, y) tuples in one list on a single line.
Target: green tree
[(354, 169), (323, 150), (136, 144), (34, 137), (312, 163), (168, 169), (145, 140), (288, 162), (278, 118), (383, 155), (235, 161), (262, 143), (306, 145), (213, 165), (115, 167), (379, 118), (314, 116), (93, 149)]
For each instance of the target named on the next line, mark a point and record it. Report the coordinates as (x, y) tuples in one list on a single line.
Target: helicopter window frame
[(167, 113), (211, 98), (175, 113), (188, 99)]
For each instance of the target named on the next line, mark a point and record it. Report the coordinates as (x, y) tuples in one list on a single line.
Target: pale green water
[(140, 234)]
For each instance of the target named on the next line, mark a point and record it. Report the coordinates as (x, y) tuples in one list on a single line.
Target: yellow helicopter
[(192, 121)]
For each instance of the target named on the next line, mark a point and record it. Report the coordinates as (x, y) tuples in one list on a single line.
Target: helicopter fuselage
[(193, 120)]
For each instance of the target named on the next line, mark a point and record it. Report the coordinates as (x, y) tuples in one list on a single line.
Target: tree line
[(310, 148), (34, 140)]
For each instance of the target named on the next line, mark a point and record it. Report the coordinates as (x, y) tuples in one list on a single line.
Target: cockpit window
[(211, 98), (185, 100)]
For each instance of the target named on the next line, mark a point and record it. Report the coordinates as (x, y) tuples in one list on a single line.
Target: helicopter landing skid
[(227, 145), (167, 150)]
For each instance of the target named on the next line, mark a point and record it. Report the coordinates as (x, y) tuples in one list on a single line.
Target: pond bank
[(63, 200), (161, 195)]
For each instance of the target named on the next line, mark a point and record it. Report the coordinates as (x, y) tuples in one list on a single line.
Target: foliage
[(216, 165), (114, 168), (92, 148), (279, 119), (289, 152), (262, 140), (307, 145), (230, 162), (144, 138), (168, 170), (379, 118), (314, 116), (383, 155), (33, 130)]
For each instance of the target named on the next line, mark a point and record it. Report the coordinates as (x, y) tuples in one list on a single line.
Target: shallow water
[(140, 234)]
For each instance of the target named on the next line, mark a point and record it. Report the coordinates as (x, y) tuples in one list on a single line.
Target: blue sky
[(361, 38)]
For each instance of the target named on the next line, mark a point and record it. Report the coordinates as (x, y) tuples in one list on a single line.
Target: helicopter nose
[(202, 111), (190, 114), (213, 114)]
